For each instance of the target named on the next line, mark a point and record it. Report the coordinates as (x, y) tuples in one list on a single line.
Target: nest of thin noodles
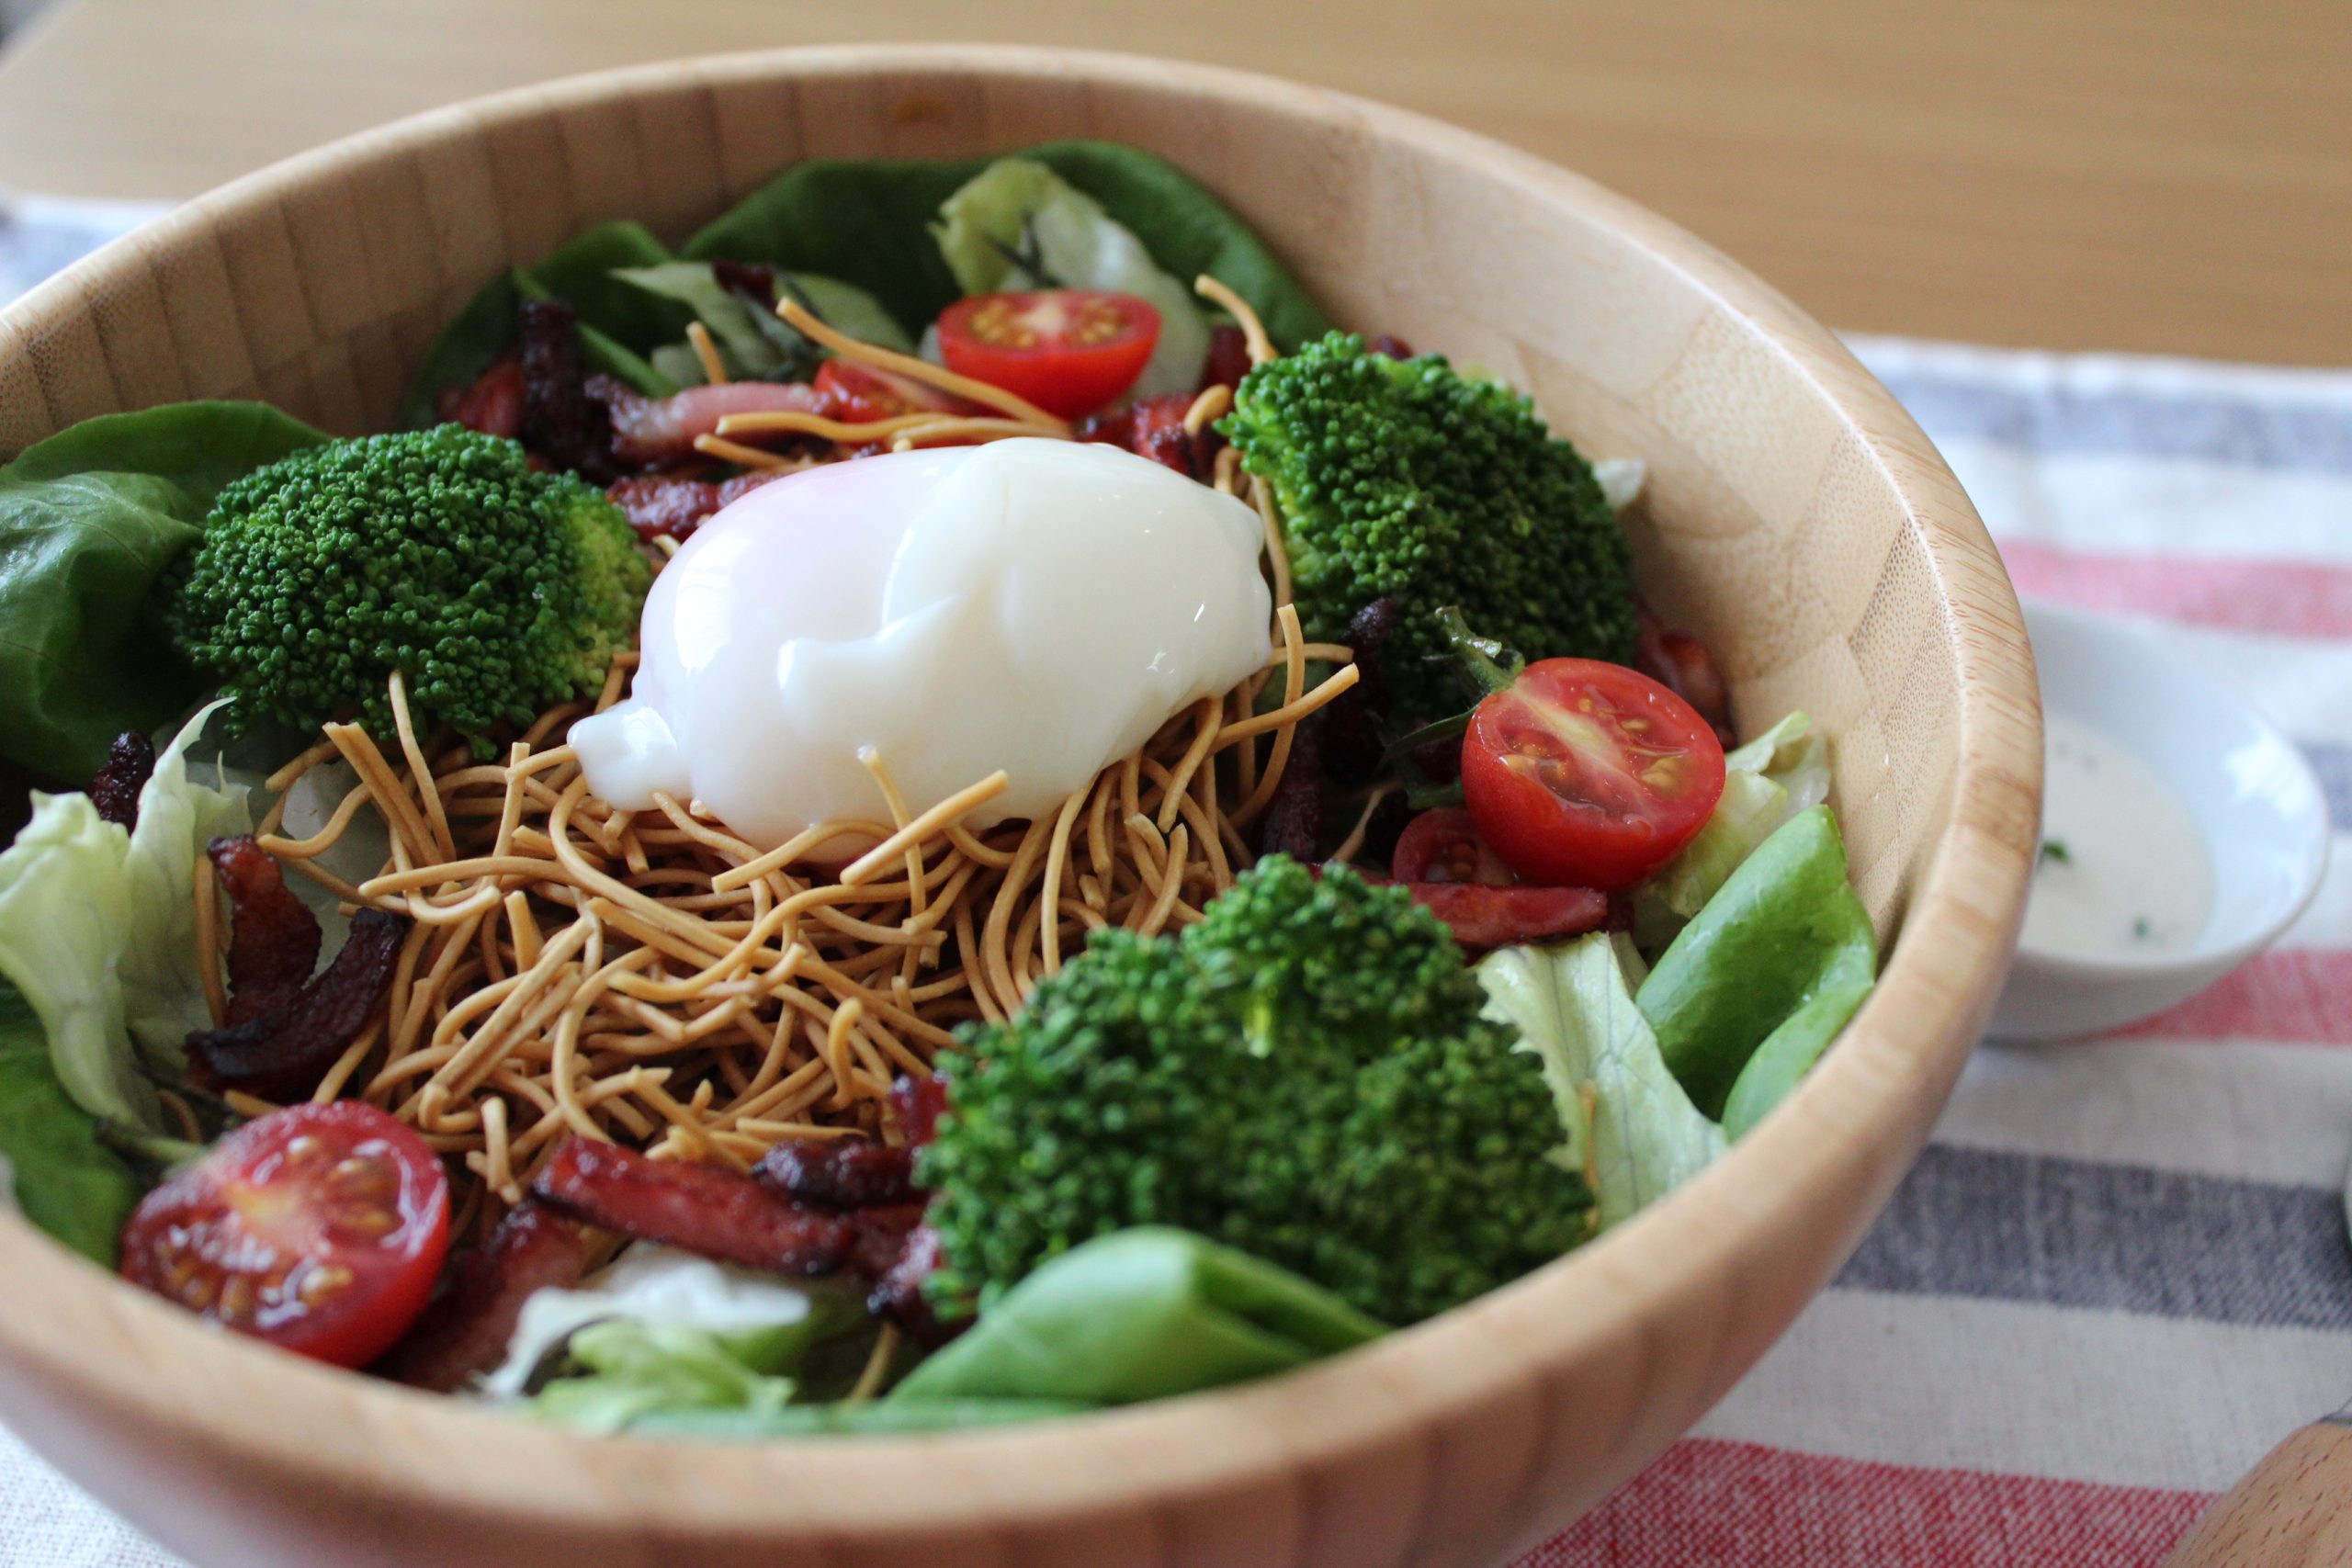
[(649, 977)]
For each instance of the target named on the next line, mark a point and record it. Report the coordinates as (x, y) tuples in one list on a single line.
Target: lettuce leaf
[(1784, 932), (97, 928), (1781, 773), (757, 344), (91, 521), (1017, 225), (1631, 1125), (1141, 1313), (62, 1175)]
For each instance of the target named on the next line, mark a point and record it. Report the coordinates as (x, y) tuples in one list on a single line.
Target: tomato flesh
[(318, 1228), (1443, 845), (1588, 774), (1069, 351)]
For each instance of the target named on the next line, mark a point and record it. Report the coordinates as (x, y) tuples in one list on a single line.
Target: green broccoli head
[(1303, 1075), (496, 591), (1408, 479)]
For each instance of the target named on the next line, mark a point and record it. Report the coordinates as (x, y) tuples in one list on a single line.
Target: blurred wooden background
[(2166, 175)]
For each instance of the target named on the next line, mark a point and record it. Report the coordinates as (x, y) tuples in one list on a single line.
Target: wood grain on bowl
[(1797, 520)]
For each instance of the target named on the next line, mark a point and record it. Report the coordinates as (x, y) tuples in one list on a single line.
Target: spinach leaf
[(876, 1418), (867, 221), (1141, 1313), (90, 520), (66, 1180)]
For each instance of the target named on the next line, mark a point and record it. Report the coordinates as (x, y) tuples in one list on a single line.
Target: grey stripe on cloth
[(2033, 1228), (2311, 438), (2332, 765)]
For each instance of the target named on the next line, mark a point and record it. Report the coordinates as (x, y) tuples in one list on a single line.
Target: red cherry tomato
[(1483, 917), (1068, 351), (319, 1228), (1443, 845), (859, 394), (1588, 774)]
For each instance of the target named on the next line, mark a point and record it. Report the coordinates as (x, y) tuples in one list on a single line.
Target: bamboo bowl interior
[(1795, 519)]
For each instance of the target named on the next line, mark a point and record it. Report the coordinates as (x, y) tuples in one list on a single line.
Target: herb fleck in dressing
[(2124, 869)]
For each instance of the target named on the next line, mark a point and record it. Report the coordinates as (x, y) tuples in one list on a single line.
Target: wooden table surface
[(2166, 175)]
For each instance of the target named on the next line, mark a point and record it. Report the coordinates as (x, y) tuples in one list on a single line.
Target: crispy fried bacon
[(836, 1174), (492, 403), (465, 1332), (560, 421), (672, 505), (1228, 357), (1682, 665), (130, 763), (918, 1103), (650, 433), (273, 936), (282, 1052), (715, 1213), (899, 1293), (1154, 428)]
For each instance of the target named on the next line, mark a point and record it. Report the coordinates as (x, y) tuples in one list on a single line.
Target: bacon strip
[(1154, 428), (492, 405), (835, 1174), (1682, 665), (670, 505), (919, 1103), (1482, 916), (273, 936), (282, 1052), (130, 763), (466, 1330), (653, 431), (713, 1213)]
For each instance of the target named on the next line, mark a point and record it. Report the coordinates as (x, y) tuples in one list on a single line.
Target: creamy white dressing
[(1038, 606), (2124, 869)]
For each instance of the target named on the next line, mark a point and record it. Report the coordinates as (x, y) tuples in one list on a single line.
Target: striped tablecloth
[(2120, 1272)]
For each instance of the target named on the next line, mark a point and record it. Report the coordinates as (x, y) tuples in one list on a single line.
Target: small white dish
[(2247, 787)]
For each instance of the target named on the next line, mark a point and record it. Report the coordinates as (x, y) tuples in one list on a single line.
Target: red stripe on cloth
[(2284, 598), (2297, 995), (1715, 1504)]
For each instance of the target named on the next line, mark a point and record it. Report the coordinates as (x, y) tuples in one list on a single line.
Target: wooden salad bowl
[(1796, 519)]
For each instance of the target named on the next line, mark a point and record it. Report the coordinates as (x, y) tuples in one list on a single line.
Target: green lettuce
[(1781, 773), (1784, 932), (1017, 225), (872, 1419), (1631, 1128), (98, 930), (61, 1174), (625, 1368), (756, 345), (1141, 1313), (91, 522)]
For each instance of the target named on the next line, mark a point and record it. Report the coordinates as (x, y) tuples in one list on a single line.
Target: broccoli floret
[(1303, 1075), (496, 590), (1408, 479)]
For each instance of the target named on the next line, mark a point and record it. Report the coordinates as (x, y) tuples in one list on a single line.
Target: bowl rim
[(355, 1439)]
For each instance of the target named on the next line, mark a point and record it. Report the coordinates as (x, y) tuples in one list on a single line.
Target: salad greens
[(63, 1176), (1784, 932), (91, 520), (1632, 1125), (862, 225), (98, 930), (1017, 225), (753, 342), (1781, 773)]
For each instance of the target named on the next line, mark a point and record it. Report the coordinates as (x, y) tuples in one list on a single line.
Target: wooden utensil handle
[(2294, 1510)]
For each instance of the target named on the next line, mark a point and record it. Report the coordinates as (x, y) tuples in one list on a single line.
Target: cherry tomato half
[(859, 394), (1588, 774), (319, 1228), (1069, 351), (1443, 845)]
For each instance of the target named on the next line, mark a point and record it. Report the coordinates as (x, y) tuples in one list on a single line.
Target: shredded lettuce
[(757, 344), (98, 930), (1630, 1123), (1781, 773), (1018, 225)]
